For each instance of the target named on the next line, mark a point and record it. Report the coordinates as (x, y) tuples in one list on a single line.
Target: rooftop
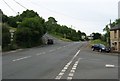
[(117, 27)]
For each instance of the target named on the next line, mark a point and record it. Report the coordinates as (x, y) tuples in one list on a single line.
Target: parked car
[(50, 41), (101, 48)]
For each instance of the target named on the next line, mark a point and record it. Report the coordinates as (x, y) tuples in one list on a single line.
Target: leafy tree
[(51, 20), (51, 24), (35, 24), (27, 14), (5, 35), (12, 21), (33, 28), (96, 36), (107, 34), (23, 37), (79, 34)]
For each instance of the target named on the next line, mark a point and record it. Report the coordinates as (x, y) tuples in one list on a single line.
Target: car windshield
[(102, 45)]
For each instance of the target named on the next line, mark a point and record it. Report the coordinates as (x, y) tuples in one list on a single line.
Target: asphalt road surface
[(63, 60)]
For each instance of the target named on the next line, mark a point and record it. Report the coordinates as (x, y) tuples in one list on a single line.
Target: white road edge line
[(14, 51), (59, 76)]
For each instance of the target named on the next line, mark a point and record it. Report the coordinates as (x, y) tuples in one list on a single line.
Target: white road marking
[(51, 50), (109, 66), (69, 78), (64, 46), (75, 55), (21, 58), (71, 74), (59, 47), (14, 51), (72, 71), (58, 77), (43, 52), (67, 65), (20, 49), (60, 74), (39, 54), (63, 70)]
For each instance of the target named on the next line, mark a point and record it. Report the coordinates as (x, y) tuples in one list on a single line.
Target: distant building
[(115, 38)]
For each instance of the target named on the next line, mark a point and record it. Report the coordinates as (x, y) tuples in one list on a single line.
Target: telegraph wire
[(20, 4), (10, 7), (55, 11)]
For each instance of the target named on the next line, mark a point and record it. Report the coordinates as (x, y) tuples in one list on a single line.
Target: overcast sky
[(84, 15)]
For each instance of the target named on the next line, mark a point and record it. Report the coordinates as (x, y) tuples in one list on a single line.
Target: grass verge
[(60, 37)]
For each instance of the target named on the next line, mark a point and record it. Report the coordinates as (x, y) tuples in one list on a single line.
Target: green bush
[(5, 36), (23, 37)]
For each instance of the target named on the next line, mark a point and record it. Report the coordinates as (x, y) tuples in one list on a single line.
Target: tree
[(23, 37), (5, 35), (51, 24), (96, 36), (28, 14), (12, 21), (52, 20), (79, 34), (33, 28), (107, 34), (35, 24)]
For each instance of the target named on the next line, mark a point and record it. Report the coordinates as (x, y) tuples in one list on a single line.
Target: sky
[(85, 15)]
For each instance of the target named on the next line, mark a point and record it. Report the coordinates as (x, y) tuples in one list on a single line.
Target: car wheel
[(100, 50), (93, 49), (108, 51)]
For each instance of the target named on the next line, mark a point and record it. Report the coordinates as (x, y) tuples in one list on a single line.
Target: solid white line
[(75, 55)]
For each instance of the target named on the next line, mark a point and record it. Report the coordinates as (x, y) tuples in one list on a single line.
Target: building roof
[(117, 27)]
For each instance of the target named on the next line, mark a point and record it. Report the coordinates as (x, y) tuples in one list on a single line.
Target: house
[(115, 38)]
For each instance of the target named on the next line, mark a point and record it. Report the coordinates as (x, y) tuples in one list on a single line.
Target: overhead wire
[(19, 4), (56, 12), (10, 7)]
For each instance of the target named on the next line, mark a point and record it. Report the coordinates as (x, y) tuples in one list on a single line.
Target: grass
[(61, 38), (98, 41)]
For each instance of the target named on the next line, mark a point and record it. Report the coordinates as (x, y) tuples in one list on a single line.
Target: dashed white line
[(69, 78), (59, 48), (66, 67), (39, 54), (71, 74), (51, 50), (21, 58)]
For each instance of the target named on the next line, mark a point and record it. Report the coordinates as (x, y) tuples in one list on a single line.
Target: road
[(63, 60)]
